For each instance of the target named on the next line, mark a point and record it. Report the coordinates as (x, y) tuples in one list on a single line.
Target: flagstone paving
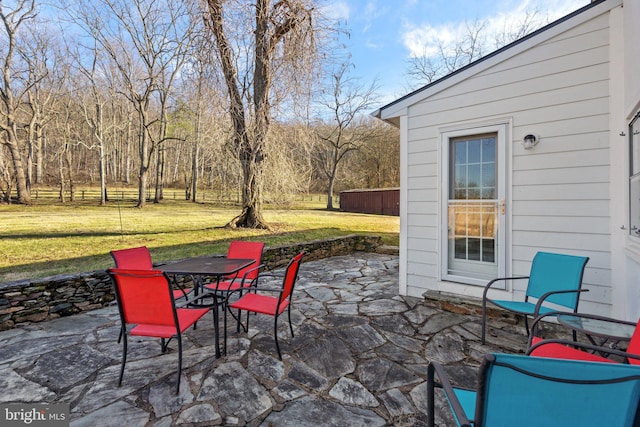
[(358, 358)]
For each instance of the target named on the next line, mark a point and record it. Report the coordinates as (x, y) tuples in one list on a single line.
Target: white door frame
[(501, 129)]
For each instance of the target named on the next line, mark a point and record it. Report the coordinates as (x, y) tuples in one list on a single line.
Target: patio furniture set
[(152, 303), (557, 382)]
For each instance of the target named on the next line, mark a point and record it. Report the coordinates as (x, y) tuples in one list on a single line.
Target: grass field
[(52, 238)]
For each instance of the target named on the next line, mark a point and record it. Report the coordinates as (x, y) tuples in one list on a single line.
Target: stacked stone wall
[(47, 298)]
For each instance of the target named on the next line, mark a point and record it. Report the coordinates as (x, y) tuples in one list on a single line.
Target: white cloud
[(372, 45), (338, 10), (425, 40)]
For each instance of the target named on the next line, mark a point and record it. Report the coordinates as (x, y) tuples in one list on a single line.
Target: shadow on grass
[(162, 254), (89, 233)]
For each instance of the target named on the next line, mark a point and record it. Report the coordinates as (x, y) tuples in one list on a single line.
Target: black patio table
[(208, 266)]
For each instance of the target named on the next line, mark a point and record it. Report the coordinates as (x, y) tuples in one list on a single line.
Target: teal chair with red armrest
[(518, 390), (558, 348), (147, 309), (553, 278)]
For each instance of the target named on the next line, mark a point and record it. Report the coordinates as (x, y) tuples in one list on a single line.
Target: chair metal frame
[(136, 286), (254, 302), (564, 296)]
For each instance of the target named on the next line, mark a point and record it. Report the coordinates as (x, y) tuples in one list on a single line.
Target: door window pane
[(473, 208), (474, 147), (489, 150), (473, 168), (472, 230)]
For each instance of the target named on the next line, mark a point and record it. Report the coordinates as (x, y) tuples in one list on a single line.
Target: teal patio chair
[(554, 278), (518, 390)]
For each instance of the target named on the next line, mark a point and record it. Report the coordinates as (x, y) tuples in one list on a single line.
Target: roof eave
[(391, 111)]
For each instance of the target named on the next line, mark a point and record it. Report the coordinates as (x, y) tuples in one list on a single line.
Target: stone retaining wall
[(47, 298)]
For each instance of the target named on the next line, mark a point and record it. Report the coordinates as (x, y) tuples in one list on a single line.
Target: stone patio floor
[(358, 358)]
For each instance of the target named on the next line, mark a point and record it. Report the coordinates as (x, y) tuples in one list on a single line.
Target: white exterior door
[(473, 212)]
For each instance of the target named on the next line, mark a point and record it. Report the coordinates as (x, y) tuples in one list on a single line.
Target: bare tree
[(48, 70), (12, 93), (472, 44), (176, 58), (6, 181), (145, 40), (514, 30), (288, 168), (345, 127), (93, 99), (202, 83), (377, 163), (63, 148), (283, 31), (426, 68)]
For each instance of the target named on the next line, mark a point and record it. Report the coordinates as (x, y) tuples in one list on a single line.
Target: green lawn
[(48, 239)]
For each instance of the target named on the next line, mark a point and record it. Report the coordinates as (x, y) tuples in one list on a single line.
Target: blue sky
[(385, 33)]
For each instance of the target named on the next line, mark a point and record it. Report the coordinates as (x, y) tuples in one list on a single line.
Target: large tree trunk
[(143, 173), (160, 159), (12, 19), (101, 165), (333, 168), (5, 180), (274, 22), (30, 151), (39, 155), (69, 163), (330, 193), (24, 195), (251, 216), (195, 158), (61, 177)]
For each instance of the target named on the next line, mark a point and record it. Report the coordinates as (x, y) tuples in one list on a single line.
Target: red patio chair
[(140, 259), (575, 350), (248, 275), (147, 308), (255, 302), (133, 258), (244, 278)]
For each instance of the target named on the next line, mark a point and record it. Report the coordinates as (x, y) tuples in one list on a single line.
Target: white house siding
[(626, 248), (559, 191)]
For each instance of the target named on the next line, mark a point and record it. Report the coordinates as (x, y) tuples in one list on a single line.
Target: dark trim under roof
[(496, 52)]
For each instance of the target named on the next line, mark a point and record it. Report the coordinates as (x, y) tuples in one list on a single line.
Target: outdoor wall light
[(530, 140)]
